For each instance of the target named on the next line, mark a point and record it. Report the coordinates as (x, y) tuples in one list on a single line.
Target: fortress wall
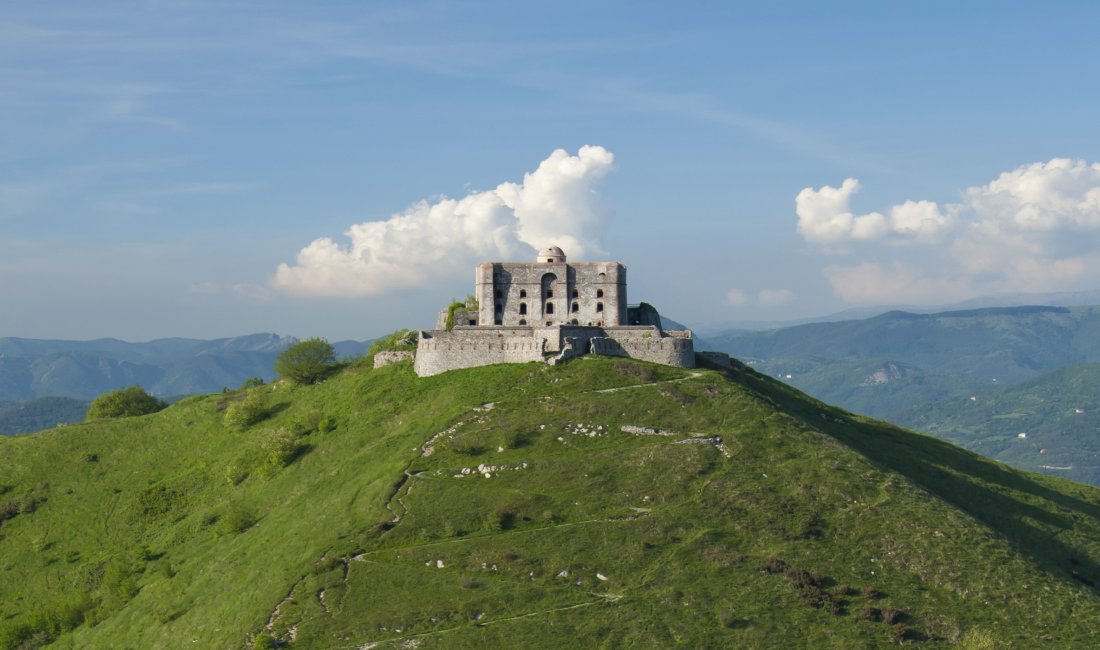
[(646, 344), (440, 351)]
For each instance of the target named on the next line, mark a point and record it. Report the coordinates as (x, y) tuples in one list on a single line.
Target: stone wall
[(392, 356), (676, 348), (440, 351)]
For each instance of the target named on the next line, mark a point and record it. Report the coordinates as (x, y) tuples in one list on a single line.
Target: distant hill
[(40, 413), (31, 368), (1049, 424), (600, 503), (891, 362)]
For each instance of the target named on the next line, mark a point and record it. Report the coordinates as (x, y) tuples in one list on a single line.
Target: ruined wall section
[(547, 294), (389, 357)]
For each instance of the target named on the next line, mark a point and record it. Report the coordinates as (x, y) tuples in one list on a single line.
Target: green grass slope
[(1058, 413), (602, 503)]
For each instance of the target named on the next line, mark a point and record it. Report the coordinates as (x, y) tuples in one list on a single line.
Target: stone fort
[(549, 310)]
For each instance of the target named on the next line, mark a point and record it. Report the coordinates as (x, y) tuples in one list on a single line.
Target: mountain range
[(960, 375)]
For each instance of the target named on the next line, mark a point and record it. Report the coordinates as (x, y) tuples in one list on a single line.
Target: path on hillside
[(694, 375)]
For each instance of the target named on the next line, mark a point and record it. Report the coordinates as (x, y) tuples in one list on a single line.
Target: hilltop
[(601, 502)]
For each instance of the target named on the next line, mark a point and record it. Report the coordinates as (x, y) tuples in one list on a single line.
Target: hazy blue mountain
[(893, 361), (31, 368)]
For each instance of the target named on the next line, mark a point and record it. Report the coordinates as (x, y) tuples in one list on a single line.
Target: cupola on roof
[(551, 254)]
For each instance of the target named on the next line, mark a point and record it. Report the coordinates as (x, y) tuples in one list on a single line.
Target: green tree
[(306, 362), (124, 402)]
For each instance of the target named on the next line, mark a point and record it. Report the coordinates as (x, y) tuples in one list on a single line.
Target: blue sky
[(208, 169)]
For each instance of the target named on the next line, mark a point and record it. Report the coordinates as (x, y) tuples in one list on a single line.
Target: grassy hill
[(1058, 414), (603, 503)]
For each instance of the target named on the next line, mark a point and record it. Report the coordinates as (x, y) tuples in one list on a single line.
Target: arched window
[(549, 308), (599, 293), (522, 309), (576, 294), (523, 293), (523, 321), (547, 285), (575, 322), (576, 307), (599, 306)]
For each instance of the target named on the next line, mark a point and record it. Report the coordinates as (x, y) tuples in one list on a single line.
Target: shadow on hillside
[(979, 487)]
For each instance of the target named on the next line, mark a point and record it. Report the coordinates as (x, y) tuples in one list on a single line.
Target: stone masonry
[(550, 311)]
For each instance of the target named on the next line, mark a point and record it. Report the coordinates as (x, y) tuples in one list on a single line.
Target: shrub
[(306, 362), (125, 402), (328, 424), (245, 412), (870, 614), (252, 382), (773, 565), (282, 448), (263, 641), (238, 518), (235, 473)]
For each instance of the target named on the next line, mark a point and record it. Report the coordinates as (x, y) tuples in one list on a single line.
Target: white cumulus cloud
[(555, 204), (825, 215), (1035, 228)]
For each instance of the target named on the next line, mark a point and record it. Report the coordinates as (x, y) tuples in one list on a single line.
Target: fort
[(549, 310)]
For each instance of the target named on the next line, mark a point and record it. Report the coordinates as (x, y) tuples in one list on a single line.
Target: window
[(523, 321), (549, 308), (473, 322), (576, 294), (575, 322), (599, 306), (576, 307), (549, 260), (522, 309), (599, 293), (523, 293), (549, 293)]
